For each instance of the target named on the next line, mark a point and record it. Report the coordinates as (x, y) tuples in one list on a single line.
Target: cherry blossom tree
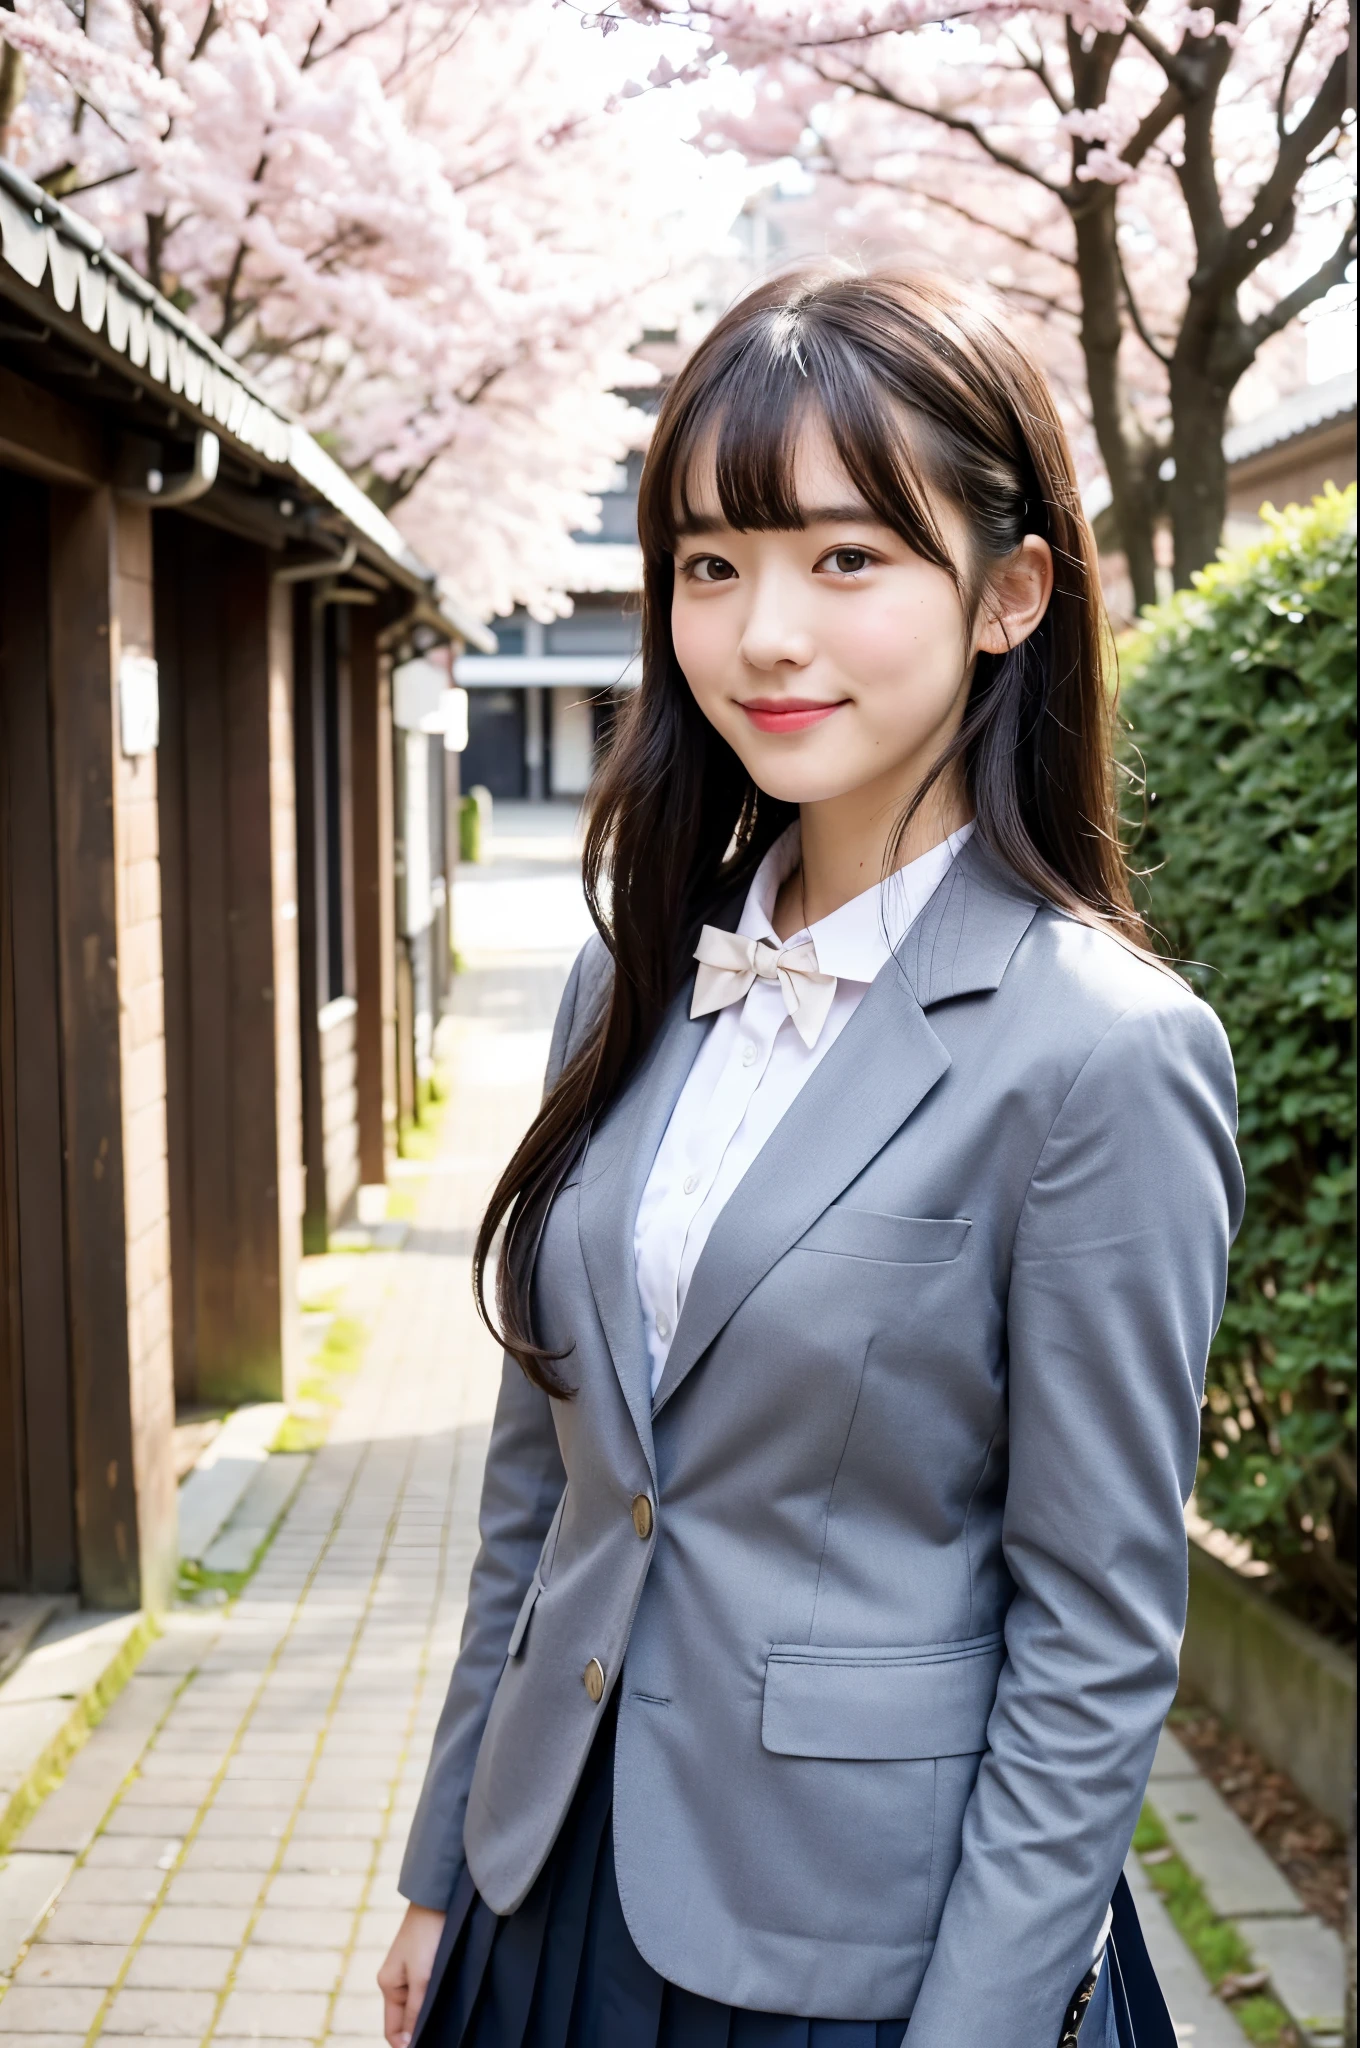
[(433, 227), (1169, 185)]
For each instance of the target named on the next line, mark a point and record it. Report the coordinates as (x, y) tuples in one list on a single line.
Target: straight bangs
[(739, 438)]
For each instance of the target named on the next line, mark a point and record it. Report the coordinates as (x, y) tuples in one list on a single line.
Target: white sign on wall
[(455, 721), (139, 704), (417, 687)]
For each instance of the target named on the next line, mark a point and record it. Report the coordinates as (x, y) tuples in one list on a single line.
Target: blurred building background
[(541, 707)]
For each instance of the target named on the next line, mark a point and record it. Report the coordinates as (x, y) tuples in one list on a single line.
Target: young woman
[(859, 1269)]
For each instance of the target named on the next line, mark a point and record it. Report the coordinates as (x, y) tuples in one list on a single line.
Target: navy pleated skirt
[(563, 1972)]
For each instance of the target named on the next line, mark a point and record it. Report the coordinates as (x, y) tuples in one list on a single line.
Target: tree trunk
[(1132, 479), (1199, 491)]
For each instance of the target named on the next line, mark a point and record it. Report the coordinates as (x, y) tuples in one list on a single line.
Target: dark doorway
[(494, 755), (37, 1465)]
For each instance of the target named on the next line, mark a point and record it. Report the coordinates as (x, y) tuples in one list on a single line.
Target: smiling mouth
[(788, 714)]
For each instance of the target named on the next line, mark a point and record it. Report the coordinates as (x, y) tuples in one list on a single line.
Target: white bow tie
[(729, 965)]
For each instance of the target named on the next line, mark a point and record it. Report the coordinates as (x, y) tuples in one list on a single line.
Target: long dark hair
[(924, 396)]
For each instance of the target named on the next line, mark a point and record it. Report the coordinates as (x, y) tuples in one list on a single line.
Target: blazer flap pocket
[(517, 1633), (900, 1240), (876, 1705)]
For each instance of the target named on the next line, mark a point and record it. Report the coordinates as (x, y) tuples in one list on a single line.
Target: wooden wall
[(231, 951)]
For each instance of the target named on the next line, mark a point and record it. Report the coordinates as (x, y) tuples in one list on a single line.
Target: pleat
[(503, 2009), (689, 2021), (768, 2030), (575, 1866), (433, 2019), (618, 1998), (481, 1935)]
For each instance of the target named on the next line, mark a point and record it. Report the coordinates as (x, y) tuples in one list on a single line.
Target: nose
[(773, 636)]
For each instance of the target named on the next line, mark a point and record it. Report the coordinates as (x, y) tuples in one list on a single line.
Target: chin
[(793, 782)]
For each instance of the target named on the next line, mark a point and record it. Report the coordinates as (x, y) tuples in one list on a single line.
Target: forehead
[(813, 480)]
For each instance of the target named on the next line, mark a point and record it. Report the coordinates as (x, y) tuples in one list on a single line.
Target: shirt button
[(749, 1054), (663, 1324), (691, 1183)]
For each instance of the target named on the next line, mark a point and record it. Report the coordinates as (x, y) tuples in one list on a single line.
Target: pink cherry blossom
[(435, 228), (1158, 191)]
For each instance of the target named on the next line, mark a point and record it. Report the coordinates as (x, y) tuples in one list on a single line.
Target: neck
[(848, 846)]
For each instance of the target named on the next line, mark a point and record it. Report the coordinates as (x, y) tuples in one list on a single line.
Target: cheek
[(705, 644), (906, 658)]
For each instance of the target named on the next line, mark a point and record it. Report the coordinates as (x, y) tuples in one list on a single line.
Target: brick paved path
[(242, 1882)]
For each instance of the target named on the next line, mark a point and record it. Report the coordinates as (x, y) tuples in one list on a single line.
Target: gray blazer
[(895, 1650)]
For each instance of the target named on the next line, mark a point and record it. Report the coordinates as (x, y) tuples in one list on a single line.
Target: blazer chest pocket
[(881, 1705), (894, 1240)]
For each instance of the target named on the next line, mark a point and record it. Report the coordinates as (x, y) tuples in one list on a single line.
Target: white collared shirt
[(752, 1065)]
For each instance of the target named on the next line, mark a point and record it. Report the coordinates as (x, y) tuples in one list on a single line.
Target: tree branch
[(1257, 235), (1203, 62), (92, 185), (975, 220), (1153, 126), (366, 28), (212, 21), (1323, 280), (870, 87), (1141, 328), (1177, 71), (1037, 65), (1282, 99)]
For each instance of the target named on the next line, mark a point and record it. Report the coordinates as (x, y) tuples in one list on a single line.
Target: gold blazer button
[(642, 1515), (593, 1680)]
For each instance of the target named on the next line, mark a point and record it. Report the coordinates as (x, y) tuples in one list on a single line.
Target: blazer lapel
[(884, 1062), (618, 1158), (883, 1065), (962, 942)]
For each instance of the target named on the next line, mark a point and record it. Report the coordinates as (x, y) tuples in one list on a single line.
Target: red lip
[(787, 714)]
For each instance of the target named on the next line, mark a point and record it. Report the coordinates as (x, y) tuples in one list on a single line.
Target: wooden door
[(37, 1463)]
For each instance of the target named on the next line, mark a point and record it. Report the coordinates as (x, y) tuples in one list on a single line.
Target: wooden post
[(113, 1056), (326, 925), (313, 949), (375, 942), (231, 952), (287, 1007)]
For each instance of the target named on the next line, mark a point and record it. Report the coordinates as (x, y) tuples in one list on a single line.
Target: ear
[(1016, 597)]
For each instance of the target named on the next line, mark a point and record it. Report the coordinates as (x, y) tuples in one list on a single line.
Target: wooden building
[(201, 619), (1290, 453)]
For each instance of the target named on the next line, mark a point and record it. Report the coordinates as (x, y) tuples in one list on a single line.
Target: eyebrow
[(853, 514)]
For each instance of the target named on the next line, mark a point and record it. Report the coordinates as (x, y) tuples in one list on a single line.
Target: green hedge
[(1240, 697)]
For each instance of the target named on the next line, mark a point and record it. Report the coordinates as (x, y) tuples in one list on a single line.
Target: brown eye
[(711, 569), (848, 561)]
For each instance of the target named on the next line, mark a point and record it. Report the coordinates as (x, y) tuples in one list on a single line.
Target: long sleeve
[(523, 1483), (1116, 1288)]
